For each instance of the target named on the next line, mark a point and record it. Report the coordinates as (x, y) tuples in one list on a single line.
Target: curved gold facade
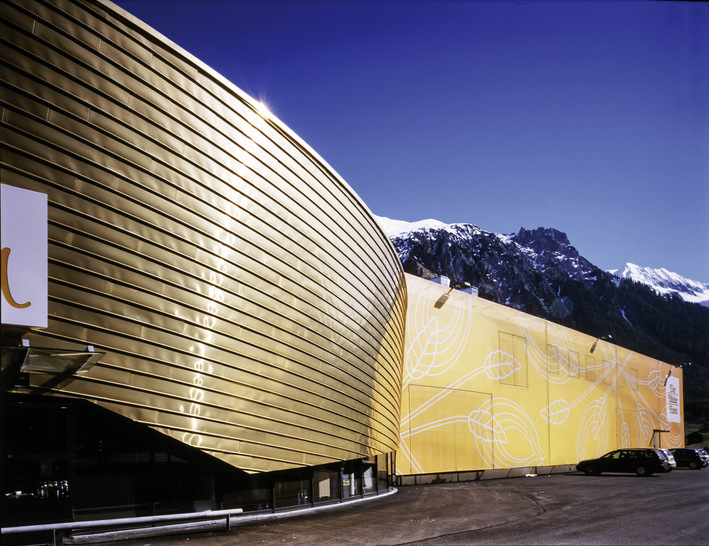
[(247, 301)]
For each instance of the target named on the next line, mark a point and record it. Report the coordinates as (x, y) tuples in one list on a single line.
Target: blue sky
[(589, 117)]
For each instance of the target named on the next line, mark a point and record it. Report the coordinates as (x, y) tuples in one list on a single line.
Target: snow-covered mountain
[(394, 228), (666, 282), (545, 248), (524, 270), (541, 249)]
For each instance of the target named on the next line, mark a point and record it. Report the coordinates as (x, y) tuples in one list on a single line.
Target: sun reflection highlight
[(263, 109)]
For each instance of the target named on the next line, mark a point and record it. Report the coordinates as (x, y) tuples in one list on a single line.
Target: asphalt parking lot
[(572, 508)]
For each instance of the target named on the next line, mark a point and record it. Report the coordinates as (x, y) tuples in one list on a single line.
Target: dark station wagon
[(641, 461), (691, 457)]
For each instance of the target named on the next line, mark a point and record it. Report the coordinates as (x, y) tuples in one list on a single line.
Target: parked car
[(641, 461), (670, 459), (691, 457)]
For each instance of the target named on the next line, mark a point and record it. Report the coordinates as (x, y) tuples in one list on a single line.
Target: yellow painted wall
[(485, 386)]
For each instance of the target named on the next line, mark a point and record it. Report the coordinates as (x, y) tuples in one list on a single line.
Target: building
[(489, 391), (211, 281), (199, 313)]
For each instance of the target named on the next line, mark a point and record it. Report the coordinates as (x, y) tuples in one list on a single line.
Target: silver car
[(670, 459)]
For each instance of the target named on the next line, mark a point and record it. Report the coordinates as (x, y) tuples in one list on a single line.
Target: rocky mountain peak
[(544, 239)]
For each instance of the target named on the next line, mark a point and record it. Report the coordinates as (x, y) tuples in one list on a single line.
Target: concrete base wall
[(478, 475)]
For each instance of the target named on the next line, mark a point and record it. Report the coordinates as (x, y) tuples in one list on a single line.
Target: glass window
[(590, 368), (369, 475), (607, 371), (513, 359), (72, 459), (562, 360), (383, 463), (632, 378), (325, 484), (250, 495), (36, 480), (350, 478), (293, 489)]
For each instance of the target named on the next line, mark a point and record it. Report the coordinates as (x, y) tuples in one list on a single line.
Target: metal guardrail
[(108, 524)]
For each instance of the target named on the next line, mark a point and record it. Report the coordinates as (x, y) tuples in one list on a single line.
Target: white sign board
[(24, 257), (673, 400)]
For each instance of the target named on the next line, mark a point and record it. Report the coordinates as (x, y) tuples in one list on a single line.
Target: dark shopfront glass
[(36, 471), (293, 489), (252, 496), (351, 479), (384, 463), (125, 470), (326, 483), (67, 460), (369, 475)]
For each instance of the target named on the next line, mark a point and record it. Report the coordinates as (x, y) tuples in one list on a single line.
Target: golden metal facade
[(247, 301)]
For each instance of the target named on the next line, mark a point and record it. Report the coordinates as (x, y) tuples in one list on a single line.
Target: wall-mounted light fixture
[(45, 360), (668, 377), (604, 338)]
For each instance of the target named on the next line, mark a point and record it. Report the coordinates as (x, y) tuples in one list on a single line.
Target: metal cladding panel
[(247, 300)]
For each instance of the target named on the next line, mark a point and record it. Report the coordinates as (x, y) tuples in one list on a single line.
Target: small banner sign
[(24, 257), (673, 405)]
